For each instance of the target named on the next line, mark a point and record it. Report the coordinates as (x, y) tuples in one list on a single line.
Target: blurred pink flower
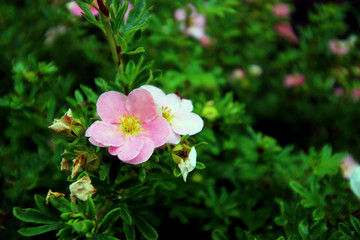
[(356, 93), (77, 11), (238, 74), (285, 30), (338, 47), (196, 23), (294, 80), (178, 112), (348, 165), (130, 125), (281, 10), (339, 91)]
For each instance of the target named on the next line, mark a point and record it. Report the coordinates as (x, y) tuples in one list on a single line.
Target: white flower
[(178, 112)]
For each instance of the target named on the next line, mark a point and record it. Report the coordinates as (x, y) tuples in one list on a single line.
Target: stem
[(110, 39)]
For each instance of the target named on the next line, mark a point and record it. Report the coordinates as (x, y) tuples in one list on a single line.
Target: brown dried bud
[(51, 193)]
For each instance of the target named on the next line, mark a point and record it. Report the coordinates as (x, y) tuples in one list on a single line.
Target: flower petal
[(185, 108), (158, 94), (173, 102), (94, 142), (131, 148), (105, 133), (188, 124), (141, 104), (157, 130), (173, 138), (145, 153), (110, 106), (180, 14)]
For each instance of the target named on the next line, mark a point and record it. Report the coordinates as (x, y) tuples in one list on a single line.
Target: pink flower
[(339, 92), (338, 47), (348, 166), (77, 11), (356, 93), (294, 80), (130, 125), (285, 30), (178, 112), (281, 10), (237, 74), (196, 24)]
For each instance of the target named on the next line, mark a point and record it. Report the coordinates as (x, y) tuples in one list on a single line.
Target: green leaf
[(32, 215), (318, 214), (218, 235), (317, 229), (138, 50), (200, 165), (142, 174), (125, 215), (145, 228), (60, 203), (356, 224), (40, 202), (129, 231), (110, 218), (78, 96), (33, 231), (304, 231), (89, 93), (90, 208), (344, 229)]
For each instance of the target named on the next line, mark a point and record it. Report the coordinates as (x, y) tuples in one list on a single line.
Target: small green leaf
[(304, 231), (90, 208), (200, 165), (145, 228), (110, 218), (218, 235), (89, 93), (344, 229), (129, 231), (33, 231), (142, 174), (60, 203), (125, 215), (356, 224), (40, 202), (318, 214), (32, 215), (138, 50)]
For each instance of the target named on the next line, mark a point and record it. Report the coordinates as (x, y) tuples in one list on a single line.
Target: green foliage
[(270, 172)]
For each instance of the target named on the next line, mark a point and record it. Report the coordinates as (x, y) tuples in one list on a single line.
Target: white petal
[(188, 124)]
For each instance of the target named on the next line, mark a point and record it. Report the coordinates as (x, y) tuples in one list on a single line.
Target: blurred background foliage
[(270, 170)]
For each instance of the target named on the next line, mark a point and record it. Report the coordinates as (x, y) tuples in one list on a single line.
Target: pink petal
[(105, 133), (110, 106), (188, 124), (199, 20), (174, 138), (158, 94), (180, 14), (141, 104), (131, 148), (157, 130), (145, 153), (114, 150), (94, 142)]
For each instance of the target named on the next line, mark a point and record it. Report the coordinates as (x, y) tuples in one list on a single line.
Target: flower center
[(167, 114), (130, 124)]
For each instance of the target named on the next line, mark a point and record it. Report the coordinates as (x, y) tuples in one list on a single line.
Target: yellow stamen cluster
[(130, 124), (167, 114)]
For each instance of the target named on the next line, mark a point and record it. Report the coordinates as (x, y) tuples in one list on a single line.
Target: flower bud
[(209, 111), (51, 193), (185, 157)]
